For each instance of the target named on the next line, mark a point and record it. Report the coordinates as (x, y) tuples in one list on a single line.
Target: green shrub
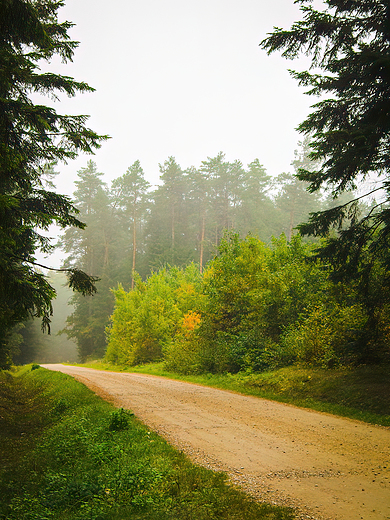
[(146, 318), (119, 420), (321, 337)]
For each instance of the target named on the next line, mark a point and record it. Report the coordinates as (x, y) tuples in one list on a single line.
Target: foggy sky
[(185, 78)]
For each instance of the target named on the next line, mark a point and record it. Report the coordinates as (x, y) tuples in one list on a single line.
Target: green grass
[(361, 393), (68, 454)]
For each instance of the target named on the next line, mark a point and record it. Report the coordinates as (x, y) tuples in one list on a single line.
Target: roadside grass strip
[(361, 393), (67, 454)]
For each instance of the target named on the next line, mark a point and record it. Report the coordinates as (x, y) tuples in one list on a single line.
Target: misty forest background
[(207, 272), (221, 267)]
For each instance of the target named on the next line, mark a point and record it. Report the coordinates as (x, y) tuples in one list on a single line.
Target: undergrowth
[(68, 454)]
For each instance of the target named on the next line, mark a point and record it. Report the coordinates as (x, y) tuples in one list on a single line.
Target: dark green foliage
[(25, 341), (32, 136), (81, 282), (119, 420), (349, 43), (253, 294)]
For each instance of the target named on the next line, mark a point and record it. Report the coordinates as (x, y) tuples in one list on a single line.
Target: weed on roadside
[(119, 420)]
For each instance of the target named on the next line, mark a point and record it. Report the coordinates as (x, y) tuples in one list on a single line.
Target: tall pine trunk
[(202, 234), (134, 248), (173, 234)]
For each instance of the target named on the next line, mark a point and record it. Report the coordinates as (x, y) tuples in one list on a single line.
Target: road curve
[(329, 468)]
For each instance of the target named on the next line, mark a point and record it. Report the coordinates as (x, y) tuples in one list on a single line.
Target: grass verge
[(361, 393), (68, 454)]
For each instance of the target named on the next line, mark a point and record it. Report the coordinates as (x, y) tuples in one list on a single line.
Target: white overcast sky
[(185, 78)]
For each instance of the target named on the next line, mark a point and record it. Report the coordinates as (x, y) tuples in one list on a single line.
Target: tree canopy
[(33, 135)]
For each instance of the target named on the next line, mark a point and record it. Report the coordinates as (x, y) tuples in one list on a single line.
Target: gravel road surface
[(327, 467)]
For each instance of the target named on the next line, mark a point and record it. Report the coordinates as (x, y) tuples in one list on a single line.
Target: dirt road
[(327, 467)]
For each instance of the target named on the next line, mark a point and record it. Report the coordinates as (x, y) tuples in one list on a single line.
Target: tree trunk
[(106, 249), (134, 248), (291, 226), (173, 234), (202, 243)]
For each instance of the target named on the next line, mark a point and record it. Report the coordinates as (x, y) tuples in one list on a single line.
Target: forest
[(269, 286), (220, 267), (208, 273), (133, 231)]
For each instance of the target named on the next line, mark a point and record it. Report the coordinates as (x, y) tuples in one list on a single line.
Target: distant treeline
[(177, 283), (132, 228)]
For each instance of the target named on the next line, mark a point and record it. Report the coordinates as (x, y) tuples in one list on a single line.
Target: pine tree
[(96, 250), (349, 45), (295, 202), (168, 233), (257, 213), (199, 199), (225, 180), (349, 42), (131, 197), (31, 136)]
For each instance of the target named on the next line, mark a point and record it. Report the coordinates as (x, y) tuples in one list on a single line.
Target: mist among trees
[(221, 266), (208, 273), (150, 248)]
